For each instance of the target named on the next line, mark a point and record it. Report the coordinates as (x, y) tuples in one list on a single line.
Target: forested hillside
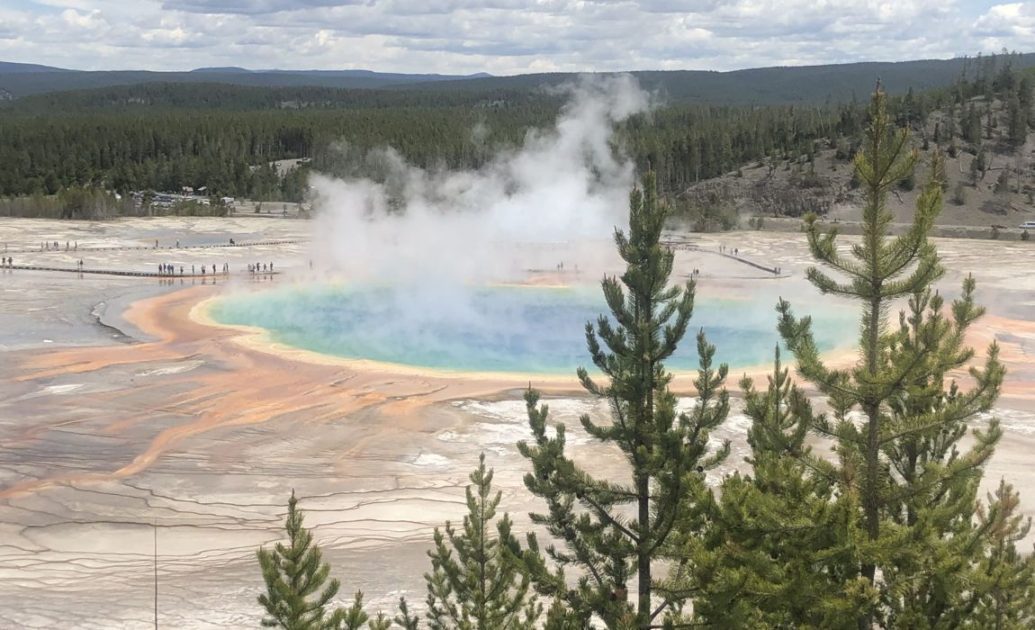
[(756, 86), (166, 136)]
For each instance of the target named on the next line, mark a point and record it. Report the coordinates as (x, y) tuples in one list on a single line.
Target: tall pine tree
[(898, 415), (474, 585), (615, 533)]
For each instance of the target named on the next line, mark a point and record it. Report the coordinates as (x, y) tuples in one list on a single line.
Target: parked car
[(1027, 225)]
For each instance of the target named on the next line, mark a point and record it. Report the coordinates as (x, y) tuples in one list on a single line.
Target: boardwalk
[(687, 246), (62, 250), (135, 274)]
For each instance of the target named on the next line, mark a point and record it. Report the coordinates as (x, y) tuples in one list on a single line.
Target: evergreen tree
[(295, 576), (667, 453), (979, 166), (895, 423), (479, 588), (1003, 582), (971, 125), (1017, 123), (777, 553)]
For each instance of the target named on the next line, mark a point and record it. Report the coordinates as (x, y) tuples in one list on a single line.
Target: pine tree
[(667, 453), (1017, 123), (971, 125), (895, 424), (294, 576), (778, 551), (478, 588), (1002, 593)]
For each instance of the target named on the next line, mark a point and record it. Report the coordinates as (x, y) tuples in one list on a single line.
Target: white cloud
[(503, 36)]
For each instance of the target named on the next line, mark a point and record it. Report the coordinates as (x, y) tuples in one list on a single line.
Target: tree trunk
[(643, 554)]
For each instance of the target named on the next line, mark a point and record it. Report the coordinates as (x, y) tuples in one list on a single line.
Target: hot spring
[(496, 329)]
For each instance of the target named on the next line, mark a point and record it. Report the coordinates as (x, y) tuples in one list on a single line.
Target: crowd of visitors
[(173, 270), (262, 268)]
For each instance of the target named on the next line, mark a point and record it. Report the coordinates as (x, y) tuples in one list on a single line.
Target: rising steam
[(562, 188)]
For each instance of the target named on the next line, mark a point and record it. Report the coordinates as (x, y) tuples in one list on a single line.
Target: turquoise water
[(497, 329)]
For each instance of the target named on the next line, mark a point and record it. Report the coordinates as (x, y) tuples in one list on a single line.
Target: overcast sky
[(502, 36)]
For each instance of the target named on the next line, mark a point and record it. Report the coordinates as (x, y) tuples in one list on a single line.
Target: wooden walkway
[(75, 250), (133, 274), (683, 245)]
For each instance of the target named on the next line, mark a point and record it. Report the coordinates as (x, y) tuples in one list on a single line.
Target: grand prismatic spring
[(494, 329)]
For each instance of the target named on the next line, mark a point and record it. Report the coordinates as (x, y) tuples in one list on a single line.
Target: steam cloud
[(564, 187)]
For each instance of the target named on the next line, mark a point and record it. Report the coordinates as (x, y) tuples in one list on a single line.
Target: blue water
[(497, 329)]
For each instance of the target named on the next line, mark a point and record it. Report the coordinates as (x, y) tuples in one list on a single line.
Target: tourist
[(159, 269), (177, 244), (77, 246), (192, 271), (181, 270), (271, 267), (203, 270)]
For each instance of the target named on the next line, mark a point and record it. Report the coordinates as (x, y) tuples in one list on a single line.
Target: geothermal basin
[(123, 415)]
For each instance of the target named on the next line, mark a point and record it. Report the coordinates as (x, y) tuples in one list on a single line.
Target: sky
[(503, 36)]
